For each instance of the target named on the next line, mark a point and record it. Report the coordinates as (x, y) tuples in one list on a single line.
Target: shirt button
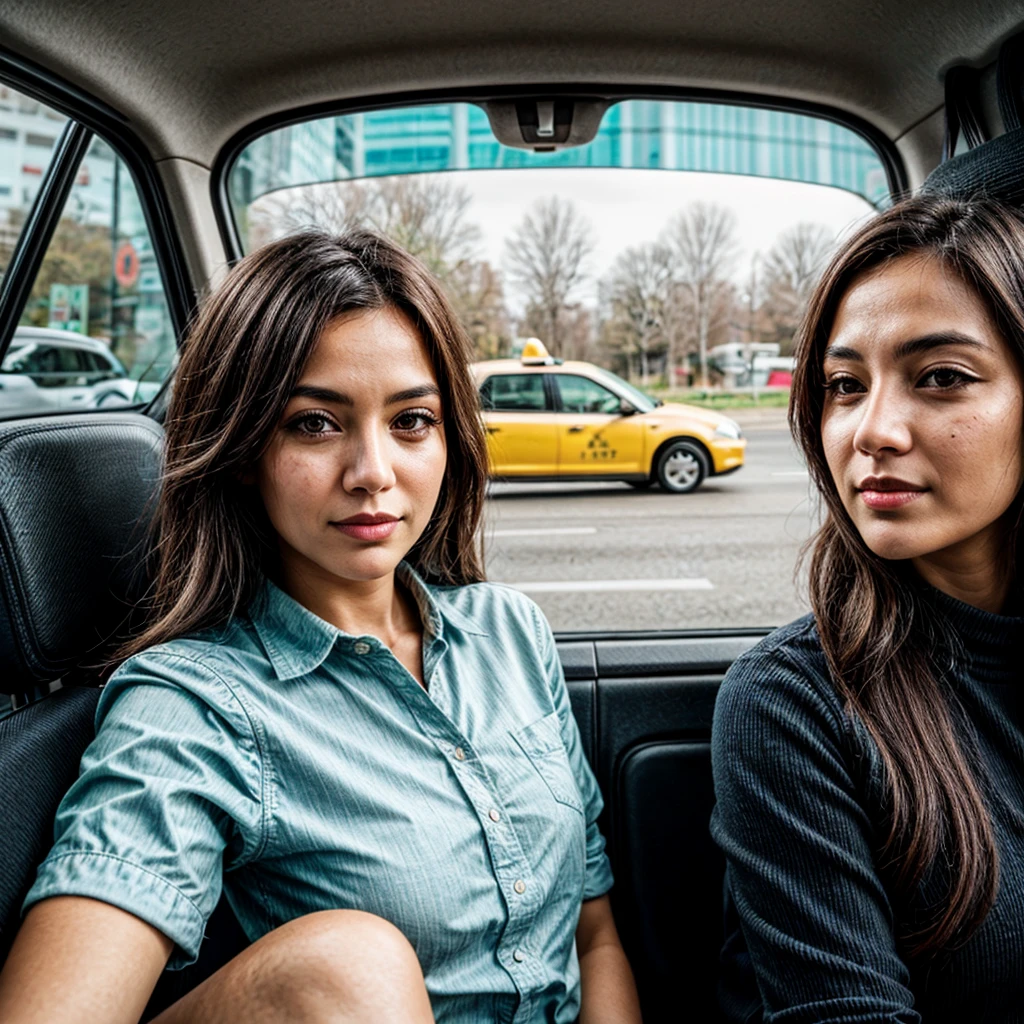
[(518, 955), (493, 815), (520, 887), (460, 754), (361, 648)]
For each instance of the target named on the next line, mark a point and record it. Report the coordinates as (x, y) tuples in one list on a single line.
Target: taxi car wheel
[(682, 467)]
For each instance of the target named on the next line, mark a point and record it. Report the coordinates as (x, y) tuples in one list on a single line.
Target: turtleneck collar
[(993, 643)]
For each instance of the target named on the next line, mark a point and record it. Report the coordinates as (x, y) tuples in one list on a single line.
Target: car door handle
[(494, 430), (576, 430)]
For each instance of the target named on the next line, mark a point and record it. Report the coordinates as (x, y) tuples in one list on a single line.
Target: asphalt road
[(608, 557)]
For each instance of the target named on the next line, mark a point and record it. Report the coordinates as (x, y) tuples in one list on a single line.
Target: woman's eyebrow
[(420, 391), (321, 394), (912, 347)]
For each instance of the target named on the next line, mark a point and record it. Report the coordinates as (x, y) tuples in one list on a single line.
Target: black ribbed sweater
[(800, 817)]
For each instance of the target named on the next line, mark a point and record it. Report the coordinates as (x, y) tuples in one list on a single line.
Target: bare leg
[(333, 967)]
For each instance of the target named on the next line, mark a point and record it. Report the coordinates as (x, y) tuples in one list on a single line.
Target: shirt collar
[(297, 641)]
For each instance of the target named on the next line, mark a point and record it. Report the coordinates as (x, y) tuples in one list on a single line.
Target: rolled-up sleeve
[(599, 870), (170, 792)]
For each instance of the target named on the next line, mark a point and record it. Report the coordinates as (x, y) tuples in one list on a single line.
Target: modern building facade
[(649, 134)]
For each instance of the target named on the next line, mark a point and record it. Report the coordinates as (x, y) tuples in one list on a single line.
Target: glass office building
[(649, 134)]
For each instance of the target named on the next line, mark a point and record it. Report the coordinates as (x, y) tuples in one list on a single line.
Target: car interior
[(177, 90)]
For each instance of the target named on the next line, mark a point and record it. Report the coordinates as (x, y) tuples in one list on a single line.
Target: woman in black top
[(869, 758)]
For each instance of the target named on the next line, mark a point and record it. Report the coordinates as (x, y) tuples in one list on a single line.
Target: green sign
[(69, 307)]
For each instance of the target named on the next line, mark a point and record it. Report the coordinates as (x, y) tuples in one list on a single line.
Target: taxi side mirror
[(626, 408)]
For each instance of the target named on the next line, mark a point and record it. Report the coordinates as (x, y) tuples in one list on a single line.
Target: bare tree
[(336, 206), (638, 292), (703, 241), (547, 257), (476, 292), (428, 215), (791, 270)]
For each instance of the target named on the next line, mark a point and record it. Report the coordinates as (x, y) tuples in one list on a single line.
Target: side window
[(28, 133), (43, 360), (514, 392), (580, 394), (100, 279), (70, 360)]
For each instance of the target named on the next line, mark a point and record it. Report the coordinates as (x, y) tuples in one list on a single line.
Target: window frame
[(229, 153), (87, 118)]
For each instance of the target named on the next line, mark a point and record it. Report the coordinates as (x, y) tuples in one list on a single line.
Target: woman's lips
[(380, 530), (885, 501)]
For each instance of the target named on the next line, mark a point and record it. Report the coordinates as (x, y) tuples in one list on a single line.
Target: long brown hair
[(886, 651), (238, 368)]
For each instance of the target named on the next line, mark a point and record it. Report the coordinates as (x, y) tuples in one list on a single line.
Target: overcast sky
[(627, 207)]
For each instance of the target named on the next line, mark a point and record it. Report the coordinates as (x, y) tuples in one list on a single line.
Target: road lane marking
[(569, 586), (561, 531)]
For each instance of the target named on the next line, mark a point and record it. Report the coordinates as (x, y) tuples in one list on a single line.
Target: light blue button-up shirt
[(304, 769)]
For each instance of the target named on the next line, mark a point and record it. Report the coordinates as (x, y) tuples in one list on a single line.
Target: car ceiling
[(188, 74)]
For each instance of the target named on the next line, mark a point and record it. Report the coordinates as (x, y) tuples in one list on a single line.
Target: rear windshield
[(668, 259)]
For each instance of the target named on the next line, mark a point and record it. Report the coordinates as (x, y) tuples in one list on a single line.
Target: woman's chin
[(370, 564), (895, 543)]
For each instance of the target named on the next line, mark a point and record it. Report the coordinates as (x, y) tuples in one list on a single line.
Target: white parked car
[(48, 370)]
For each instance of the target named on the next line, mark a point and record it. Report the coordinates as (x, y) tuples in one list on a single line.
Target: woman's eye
[(945, 378), (415, 421), (312, 424), (843, 386)]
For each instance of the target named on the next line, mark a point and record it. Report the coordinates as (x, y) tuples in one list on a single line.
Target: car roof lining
[(189, 75)]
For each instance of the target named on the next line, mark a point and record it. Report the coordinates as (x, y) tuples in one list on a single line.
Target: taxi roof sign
[(535, 354)]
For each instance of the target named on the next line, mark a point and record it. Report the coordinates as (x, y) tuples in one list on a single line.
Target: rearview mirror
[(626, 408)]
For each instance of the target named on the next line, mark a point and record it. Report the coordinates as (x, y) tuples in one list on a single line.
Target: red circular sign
[(126, 265)]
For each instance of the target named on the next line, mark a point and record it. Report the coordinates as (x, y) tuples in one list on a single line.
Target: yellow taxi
[(552, 420)]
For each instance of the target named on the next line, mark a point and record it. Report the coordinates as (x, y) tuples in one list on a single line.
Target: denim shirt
[(304, 769)]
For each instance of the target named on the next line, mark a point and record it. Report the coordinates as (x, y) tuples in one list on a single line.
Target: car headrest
[(994, 169), (76, 498)]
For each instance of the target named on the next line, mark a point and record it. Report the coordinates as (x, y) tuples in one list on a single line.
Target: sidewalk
[(758, 419)]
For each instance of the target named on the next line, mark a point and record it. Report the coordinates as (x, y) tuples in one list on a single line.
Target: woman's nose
[(885, 422), (369, 466)]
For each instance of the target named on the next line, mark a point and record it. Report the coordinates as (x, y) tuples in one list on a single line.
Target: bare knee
[(347, 959), (340, 943), (331, 967)]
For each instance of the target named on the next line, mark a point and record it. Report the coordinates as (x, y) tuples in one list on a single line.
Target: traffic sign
[(126, 265)]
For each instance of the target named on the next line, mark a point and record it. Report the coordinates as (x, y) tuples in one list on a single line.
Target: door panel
[(522, 439), (593, 437)]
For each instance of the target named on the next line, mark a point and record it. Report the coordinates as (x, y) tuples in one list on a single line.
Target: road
[(608, 557)]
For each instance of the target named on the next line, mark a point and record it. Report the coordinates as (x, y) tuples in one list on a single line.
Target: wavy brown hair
[(242, 359), (886, 649)]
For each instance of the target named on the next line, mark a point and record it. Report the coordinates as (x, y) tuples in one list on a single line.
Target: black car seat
[(76, 497), (73, 493)]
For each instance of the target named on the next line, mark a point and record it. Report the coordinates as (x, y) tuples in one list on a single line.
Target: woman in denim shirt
[(329, 714)]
